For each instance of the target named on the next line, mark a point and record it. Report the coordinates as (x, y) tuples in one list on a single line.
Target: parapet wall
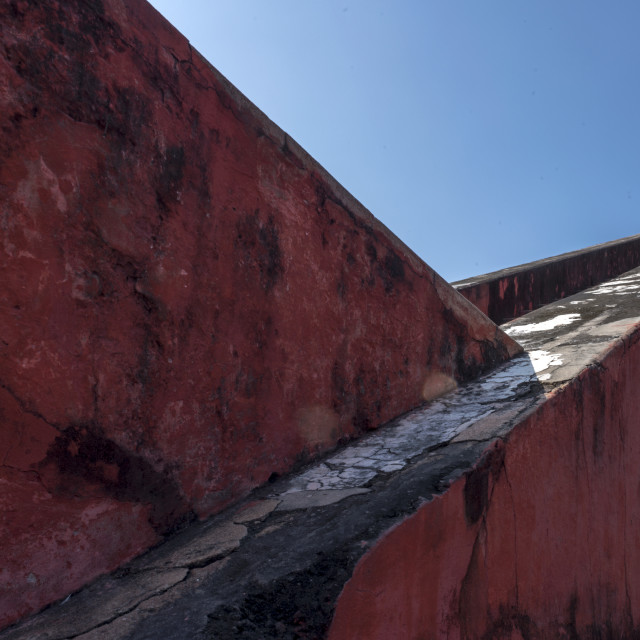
[(538, 541), (189, 305), (510, 293), (507, 509)]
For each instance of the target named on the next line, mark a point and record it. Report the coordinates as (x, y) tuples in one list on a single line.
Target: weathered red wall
[(189, 303), (539, 541), (510, 293)]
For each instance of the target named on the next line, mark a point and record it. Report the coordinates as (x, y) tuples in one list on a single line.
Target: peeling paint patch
[(542, 360), (619, 289), (620, 286), (547, 325)]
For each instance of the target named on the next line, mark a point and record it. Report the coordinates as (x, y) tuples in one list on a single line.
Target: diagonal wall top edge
[(289, 146), (190, 306)]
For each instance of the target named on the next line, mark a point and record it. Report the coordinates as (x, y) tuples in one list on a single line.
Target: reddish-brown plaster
[(548, 545), (508, 294), (189, 304)]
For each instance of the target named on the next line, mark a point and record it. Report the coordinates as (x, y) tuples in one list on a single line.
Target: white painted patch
[(541, 360), (586, 301), (623, 285), (630, 278), (547, 325), (620, 288)]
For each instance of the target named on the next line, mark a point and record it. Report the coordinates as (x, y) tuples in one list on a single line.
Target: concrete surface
[(504, 509)]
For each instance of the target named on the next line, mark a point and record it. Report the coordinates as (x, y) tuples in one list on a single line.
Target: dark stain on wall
[(391, 271), (477, 483), (80, 452), (169, 179), (257, 244), (476, 494)]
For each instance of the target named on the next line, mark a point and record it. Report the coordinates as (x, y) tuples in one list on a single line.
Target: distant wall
[(539, 541), (188, 302), (510, 293)]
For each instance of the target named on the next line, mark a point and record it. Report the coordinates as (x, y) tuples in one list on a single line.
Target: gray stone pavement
[(273, 566)]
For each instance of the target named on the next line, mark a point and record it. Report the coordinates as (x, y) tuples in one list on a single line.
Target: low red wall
[(508, 294), (539, 541), (189, 303)]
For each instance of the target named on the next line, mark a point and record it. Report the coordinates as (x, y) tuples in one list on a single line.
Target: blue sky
[(484, 134)]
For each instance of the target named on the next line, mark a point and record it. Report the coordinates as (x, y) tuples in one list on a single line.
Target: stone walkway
[(273, 566)]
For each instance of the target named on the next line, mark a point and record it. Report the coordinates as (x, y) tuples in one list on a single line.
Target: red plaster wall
[(539, 541), (188, 303), (508, 294)]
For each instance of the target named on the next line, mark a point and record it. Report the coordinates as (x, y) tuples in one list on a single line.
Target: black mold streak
[(81, 452), (259, 246), (476, 494)]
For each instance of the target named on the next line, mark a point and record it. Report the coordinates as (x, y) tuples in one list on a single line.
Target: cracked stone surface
[(316, 498), (252, 511), (104, 601), (212, 543), (276, 564)]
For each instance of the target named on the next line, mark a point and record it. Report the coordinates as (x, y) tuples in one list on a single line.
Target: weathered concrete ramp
[(505, 509), (189, 304)]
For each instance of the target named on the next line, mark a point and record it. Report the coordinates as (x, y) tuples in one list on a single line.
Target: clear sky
[(484, 133)]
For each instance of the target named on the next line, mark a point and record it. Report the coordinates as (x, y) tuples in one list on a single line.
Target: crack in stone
[(122, 613), (515, 532), (18, 445), (94, 392), (27, 409), (33, 472), (467, 581), (588, 479), (624, 528)]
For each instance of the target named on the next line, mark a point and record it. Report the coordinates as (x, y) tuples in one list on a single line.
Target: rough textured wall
[(539, 541), (504, 295), (189, 304)]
